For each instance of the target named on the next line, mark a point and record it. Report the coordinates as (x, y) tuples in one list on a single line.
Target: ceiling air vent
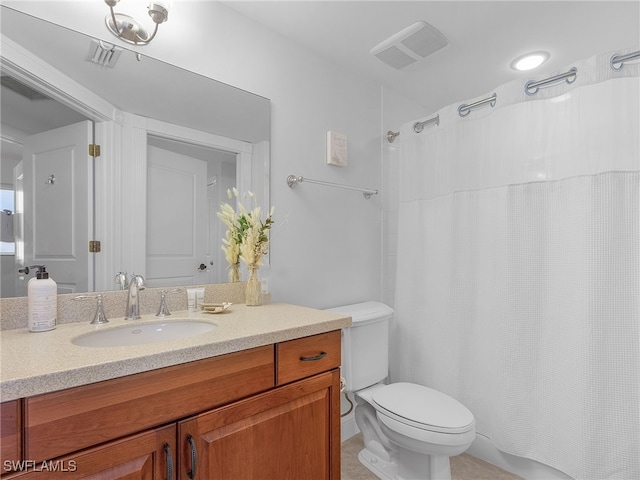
[(412, 44), (103, 53)]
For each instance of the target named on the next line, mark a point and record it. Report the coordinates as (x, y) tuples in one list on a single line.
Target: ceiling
[(484, 37)]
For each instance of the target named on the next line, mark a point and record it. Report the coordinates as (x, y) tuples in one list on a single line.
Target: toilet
[(409, 430)]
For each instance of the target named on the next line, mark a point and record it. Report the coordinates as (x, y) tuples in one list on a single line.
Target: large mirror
[(172, 143)]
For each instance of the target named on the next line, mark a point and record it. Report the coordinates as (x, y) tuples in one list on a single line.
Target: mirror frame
[(120, 176)]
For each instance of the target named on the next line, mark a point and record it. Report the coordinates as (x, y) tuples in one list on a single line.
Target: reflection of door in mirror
[(51, 174), (199, 111), (176, 205), (8, 232), (185, 185), (56, 218), (32, 129)]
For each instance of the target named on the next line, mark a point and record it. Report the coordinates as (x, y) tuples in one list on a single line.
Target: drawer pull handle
[(320, 356), (194, 458), (167, 450)]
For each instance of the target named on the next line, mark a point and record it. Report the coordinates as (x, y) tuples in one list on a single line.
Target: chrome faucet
[(133, 298), (99, 318), (163, 311)]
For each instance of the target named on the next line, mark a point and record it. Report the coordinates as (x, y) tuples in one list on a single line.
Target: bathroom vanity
[(263, 402)]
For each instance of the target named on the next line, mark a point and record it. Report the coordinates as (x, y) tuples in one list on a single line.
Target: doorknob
[(202, 267)]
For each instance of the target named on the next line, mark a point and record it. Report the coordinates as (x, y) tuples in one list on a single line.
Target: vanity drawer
[(307, 356), (69, 420)]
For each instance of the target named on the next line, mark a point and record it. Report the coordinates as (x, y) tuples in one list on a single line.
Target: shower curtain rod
[(419, 126), (531, 87), (622, 59), (293, 180), (464, 109)]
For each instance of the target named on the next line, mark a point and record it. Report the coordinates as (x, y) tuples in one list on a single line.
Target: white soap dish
[(216, 307)]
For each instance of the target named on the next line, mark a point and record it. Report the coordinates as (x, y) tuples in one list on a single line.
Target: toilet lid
[(423, 407)]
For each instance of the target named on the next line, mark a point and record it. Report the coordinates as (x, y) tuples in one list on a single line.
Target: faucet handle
[(99, 318), (138, 280), (163, 311), (121, 280)]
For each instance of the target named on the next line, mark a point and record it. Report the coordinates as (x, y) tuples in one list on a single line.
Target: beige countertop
[(35, 363)]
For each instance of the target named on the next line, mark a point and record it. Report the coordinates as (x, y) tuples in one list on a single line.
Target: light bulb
[(529, 61)]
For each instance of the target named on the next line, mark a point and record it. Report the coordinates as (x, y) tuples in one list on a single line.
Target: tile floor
[(463, 467)]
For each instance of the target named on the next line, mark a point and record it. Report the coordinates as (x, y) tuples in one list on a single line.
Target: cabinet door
[(149, 455), (10, 433), (292, 432)]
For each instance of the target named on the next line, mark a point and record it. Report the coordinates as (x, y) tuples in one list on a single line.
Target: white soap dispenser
[(42, 294)]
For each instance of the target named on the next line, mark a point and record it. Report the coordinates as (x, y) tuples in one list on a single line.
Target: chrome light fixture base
[(130, 30)]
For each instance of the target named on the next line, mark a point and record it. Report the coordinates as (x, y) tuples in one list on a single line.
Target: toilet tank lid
[(365, 312)]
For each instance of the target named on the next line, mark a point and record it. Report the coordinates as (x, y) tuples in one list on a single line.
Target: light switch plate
[(336, 149)]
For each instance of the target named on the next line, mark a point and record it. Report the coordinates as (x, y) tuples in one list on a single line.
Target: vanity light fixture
[(131, 30), (530, 61)]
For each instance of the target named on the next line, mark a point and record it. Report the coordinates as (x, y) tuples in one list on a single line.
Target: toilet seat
[(423, 408)]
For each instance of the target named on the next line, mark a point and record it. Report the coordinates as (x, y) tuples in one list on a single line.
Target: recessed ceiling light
[(530, 61)]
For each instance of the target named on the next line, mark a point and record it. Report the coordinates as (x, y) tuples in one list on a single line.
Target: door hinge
[(94, 246), (94, 150)]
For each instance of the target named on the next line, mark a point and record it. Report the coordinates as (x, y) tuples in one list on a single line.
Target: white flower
[(247, 237), (234, 233)]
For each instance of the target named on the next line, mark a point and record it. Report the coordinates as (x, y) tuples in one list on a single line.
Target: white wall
[(326, 243)]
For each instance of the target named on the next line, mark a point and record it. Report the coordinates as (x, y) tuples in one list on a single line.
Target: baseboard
[(348, 428)]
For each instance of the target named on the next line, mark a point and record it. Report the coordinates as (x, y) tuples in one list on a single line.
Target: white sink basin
[(145, 333)]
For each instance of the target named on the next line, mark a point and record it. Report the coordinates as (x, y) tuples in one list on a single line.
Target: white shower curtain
[(518, 277)]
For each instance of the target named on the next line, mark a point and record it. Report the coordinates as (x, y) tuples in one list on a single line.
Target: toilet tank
[(365, 345)]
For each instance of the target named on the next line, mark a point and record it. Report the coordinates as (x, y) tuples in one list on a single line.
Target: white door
[(177, 219), (20, 281), (222, 177), (56, 191)]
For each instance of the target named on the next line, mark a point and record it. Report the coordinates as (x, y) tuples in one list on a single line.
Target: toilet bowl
[(409, 430)]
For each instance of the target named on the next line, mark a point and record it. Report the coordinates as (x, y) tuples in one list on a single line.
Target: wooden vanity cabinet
[(290, 432), (224, 417)]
